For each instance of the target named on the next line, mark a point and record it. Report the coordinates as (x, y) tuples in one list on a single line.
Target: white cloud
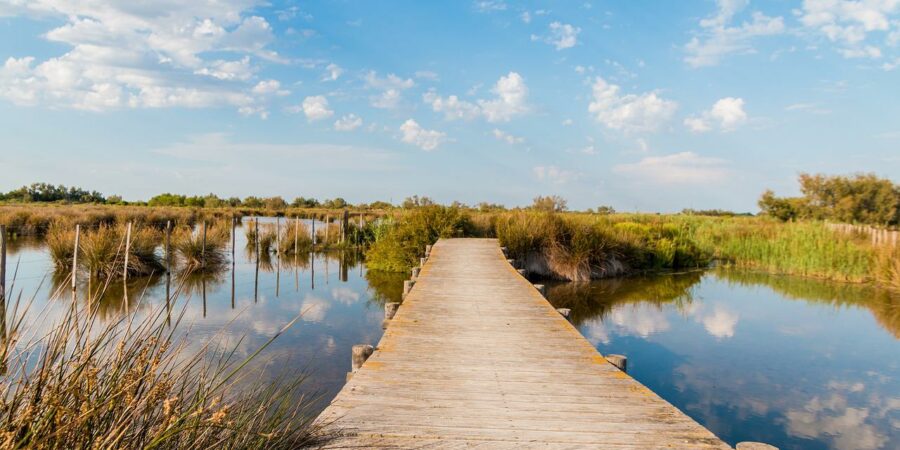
[(677, 168), (717, 39), (485, 6), (332, 72), (510, 101), (561, 36), (391, 88), (452, 107), (848, 21), (427, 75), (720, 323), (267, 87), (349, 122), (316, 108), (526, 17), (153, 56), (414, 134), (554, 175), (631, 112), (869, 51), (726, 114), (506, 137)]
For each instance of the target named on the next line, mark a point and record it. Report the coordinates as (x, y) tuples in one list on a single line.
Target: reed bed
[(578, 246), (102, 250), (36, 219), (294, 239), (202, 250), (132, 383)]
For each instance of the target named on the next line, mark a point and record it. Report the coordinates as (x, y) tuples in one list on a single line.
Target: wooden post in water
[(127, 251), (203, 248), (345, 222), (389, 310), (278, 235), (754, 446), (360, 354), (422, 262), (256, 277), (296, 234), (542, 289), (75, 257), (415, 273), (3, 274), (565, 312), (511, 262), (3, 294), (407, 286), (428, 250), (313, 232), (620, 361), (168, 247), (125, 266)]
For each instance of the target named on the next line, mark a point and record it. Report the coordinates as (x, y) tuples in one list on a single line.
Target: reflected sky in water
[(342, 304), (800, 364)]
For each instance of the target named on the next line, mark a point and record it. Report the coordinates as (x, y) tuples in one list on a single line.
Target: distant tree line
[(45, 192), (861, 198)]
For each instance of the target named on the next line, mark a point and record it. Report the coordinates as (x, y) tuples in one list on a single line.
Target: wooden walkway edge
[(475, 357)]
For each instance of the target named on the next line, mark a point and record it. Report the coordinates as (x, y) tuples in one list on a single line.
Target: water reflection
[(799, 363), (240, 306)]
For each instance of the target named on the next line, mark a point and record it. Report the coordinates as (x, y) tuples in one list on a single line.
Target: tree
[(550, 203), (415, 201), (303, 202), (253, 202), (605, 210), (336, 203), (380, 205), (274, 203), (862, 198)]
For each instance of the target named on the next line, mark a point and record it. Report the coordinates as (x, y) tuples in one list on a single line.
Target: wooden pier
[(475, 357)]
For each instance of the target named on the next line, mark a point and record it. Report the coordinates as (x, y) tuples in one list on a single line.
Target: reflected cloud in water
[(797, 363)]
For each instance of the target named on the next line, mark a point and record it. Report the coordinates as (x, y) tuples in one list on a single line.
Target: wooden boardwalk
[(476, 358)]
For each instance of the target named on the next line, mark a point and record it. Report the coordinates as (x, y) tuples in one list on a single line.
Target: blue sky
[(642, 105)]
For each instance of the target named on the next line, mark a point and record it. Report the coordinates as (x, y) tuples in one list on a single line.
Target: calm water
[(797, 363), (341, 303), (800, 364)]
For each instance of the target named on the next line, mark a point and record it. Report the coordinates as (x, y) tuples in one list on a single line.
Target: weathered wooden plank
[(475, 357)]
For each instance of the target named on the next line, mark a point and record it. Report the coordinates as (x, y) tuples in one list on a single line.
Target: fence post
[(3, 266), (127, 251), (75, 256)]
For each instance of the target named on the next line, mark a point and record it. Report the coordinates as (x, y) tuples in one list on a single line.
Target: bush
[(399, 247)]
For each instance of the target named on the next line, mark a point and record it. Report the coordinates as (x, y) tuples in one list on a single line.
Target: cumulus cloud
[(391, 88), (155, 56), (726, 115), (511, 100), (853, 25), (349, 122), (717, 36), (269, 87), (506, 137), (316, 108), (486, 6), (413, 133), (677, 168), (332, 72), (629, 112), (554, 175), (560, 35), (720, 323)]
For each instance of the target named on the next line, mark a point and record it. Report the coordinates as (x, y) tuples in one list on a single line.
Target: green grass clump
[(294, 238), (195, 255), (398, 247)]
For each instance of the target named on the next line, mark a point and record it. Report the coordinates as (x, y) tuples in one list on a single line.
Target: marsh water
[(798, 363)]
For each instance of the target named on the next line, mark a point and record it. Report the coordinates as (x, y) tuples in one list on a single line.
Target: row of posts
[(361, 352), (619, 361), (879, 236)]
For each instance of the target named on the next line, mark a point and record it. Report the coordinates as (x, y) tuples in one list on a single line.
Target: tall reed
[(197, 252), (133, 383)]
